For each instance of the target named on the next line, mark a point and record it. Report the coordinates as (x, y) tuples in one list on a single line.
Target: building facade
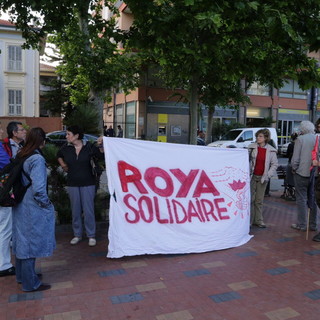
[(19, 75), (149, 112)]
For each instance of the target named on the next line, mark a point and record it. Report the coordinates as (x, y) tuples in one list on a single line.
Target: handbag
[(95, 167)]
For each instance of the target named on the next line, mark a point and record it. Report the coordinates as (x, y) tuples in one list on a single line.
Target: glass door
[(285, 129)]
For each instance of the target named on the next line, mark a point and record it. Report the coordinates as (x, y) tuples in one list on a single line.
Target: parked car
[(241, 138), (284, 148), (59, 137)]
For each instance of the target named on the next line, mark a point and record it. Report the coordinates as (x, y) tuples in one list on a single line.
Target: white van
[(242, 137)]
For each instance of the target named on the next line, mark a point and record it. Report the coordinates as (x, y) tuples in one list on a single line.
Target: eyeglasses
[(22, 129)]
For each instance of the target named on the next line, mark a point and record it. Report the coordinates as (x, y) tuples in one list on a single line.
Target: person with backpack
[(33, 228), (6, 267)]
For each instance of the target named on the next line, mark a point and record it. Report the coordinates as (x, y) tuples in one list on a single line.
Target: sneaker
[(92, 242), (8, 272), (75, 240), (297, 227), (316, 237), (260, 225)]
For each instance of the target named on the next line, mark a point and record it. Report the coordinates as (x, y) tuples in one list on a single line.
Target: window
[(247, 136), (15, 102), (119, 115), (14, 58), (291, 89), (130, 120), (257, 89)]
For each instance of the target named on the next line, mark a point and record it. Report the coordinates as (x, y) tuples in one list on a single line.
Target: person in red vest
[(263, 165), (15, 140)]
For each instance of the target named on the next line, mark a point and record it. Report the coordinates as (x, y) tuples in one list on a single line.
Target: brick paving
[(275, 276)]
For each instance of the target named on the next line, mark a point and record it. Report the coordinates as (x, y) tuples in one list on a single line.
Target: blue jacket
[(4, 157), (34, 218)]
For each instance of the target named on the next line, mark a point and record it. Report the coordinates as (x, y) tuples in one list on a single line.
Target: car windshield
[(90, 137), (231, 135)]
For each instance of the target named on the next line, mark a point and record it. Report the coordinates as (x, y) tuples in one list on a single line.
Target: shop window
[(119, 115), (130, 131)]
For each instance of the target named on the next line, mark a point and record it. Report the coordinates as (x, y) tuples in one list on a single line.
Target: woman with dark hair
[(263, 165), (33, 218), (75, 159)]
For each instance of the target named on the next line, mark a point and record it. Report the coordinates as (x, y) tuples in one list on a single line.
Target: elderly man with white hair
[(301, 163)]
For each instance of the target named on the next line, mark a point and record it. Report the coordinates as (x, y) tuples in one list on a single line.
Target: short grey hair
[(306, 127)]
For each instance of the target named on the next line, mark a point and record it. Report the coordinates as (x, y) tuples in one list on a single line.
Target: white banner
[(173, 198)]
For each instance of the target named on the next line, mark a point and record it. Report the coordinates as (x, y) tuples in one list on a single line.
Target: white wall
[(26, 80)]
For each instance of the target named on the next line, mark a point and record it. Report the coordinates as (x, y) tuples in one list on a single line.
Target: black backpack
[(12, 190)]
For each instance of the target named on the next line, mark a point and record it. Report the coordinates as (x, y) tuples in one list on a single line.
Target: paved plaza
[(275, 276)]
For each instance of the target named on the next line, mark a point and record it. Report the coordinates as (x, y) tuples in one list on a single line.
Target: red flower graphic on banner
[(237, 185), (238, 188)]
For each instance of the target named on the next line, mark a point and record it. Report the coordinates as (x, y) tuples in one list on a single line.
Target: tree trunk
[(194, 98), (96, 97), (209, 124)]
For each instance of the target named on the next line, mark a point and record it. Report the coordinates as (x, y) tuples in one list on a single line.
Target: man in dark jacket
[(109, 132)]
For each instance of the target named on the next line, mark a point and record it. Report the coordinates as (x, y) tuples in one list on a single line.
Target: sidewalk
[(275, 276)]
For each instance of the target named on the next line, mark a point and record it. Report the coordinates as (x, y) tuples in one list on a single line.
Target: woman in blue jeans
[(34, 218)]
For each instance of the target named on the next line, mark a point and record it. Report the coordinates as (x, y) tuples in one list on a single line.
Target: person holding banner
[(263, 165), (75, 158)]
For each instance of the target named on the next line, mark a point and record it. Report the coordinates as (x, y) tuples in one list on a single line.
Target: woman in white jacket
[(263, 165)]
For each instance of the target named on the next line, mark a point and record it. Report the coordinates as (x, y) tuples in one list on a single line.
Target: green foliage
[(84, 116), (101, 204), (267, 122), (220, 129), (207, 47), (91, 64), (58, 98)]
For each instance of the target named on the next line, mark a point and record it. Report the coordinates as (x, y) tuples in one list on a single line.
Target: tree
[(208, 46), (88, 43), (57, 98)]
